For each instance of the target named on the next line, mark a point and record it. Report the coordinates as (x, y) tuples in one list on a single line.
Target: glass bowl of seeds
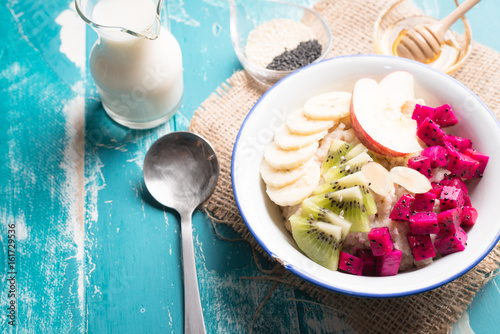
[(274, 38)]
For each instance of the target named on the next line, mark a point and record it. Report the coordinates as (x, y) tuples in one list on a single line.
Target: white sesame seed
[(272, 38)]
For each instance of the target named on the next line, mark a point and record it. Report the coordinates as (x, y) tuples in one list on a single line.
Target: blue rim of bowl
[(311, 279)]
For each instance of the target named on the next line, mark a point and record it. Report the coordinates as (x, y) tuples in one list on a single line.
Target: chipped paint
[(72, 37), (12, 71), (73, 194), (182, 120), (216, 29), (145, 143), (463, 325), (94, 183), (21, 229), (496, 286), (306, 3), (177, 13), (19, 26), (43, 190), (217, 3)]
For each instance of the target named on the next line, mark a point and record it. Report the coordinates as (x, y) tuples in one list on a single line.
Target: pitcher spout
[(154, 30), (112, 18)]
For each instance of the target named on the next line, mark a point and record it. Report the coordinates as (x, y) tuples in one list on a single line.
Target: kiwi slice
[(320, 241), (358, 149), (328, 216), (347, 203), (347, 168), (356, 179), (336, 155), (355, 151)]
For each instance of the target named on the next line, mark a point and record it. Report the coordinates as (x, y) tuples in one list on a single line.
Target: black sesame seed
[(304, 54)]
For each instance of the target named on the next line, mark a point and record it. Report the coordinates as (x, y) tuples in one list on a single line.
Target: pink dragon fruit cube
[(421, 246), (438, 156), (430, 133), (401, 210), (350, 264), (447, 243), (423, 223), (469, 216), (449, 220), (421, 164), (380, 241), (479, 157), (450, 198), (444, 116), (388, 265), (421, 112), (423, 202), (369, 262)]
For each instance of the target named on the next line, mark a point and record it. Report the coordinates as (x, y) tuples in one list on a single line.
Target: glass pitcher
[(136, 63)]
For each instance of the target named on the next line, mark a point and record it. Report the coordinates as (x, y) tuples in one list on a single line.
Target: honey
[(449, 55)]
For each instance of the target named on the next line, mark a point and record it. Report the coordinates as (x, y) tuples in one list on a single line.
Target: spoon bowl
[(181, 171)]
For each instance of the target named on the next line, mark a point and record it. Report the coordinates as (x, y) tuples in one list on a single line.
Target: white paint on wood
[(217, 3), (496, 285), (73, 195), (145, 142), (73, 46), (19, 25), (462, 326), (72, 36), (181, 119), (11, 71), (21, 229), (177, 13)]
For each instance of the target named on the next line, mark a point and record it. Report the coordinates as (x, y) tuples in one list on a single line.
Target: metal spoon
[(423, 43), (180, 171)]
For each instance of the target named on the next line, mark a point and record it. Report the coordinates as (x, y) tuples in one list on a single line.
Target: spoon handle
[(193, 314), (457, 13)]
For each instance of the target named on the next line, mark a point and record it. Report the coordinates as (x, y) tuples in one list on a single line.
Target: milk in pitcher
[(136, 64)]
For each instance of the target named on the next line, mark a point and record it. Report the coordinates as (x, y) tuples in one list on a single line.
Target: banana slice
[(299, 124), (328, 106), (296, 192), (281, 177), (281, 159), (287, 140)]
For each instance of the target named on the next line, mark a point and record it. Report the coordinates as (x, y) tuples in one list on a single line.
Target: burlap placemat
[(221, 115)]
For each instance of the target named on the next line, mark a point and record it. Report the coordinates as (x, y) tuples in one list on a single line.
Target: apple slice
[(399, 89), (378, 120)]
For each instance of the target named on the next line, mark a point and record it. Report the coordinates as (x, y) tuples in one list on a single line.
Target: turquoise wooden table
[(93, 251)]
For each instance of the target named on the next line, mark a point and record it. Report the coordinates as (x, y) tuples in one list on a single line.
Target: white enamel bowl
[(263, 217)]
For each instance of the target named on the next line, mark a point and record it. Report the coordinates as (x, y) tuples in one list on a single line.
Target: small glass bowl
[(406, 14), (247, 15)]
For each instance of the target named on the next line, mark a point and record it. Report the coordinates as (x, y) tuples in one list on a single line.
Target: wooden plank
[(41, 174)]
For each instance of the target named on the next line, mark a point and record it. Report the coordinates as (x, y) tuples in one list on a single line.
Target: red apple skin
[(368, 141)]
